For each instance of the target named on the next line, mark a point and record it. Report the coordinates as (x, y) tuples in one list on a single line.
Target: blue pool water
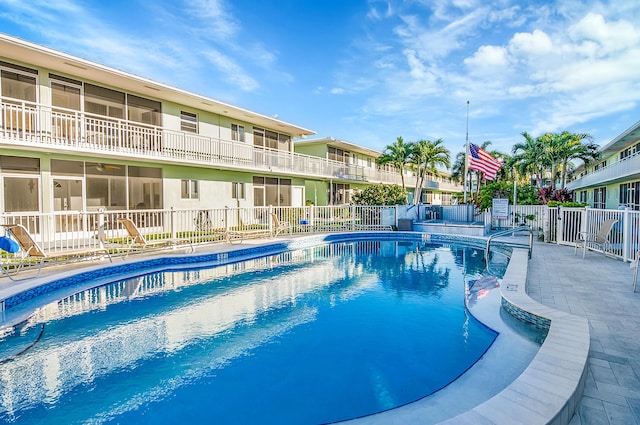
[(305, 337)]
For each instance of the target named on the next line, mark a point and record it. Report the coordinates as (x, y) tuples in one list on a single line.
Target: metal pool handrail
[(514, 244)]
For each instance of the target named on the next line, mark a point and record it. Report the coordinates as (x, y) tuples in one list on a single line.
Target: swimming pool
[(308, 336)]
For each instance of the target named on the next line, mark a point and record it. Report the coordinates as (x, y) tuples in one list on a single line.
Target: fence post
[(626, 231), (353, 216), (172, 228), (101, 237), (396, 215), (226, 219), (269, 220)]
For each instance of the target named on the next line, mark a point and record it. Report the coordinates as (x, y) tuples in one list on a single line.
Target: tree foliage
[(398, 155), (381, 194), (426, 156)]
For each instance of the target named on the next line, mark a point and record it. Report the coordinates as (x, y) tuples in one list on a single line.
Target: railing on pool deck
[(69, 230), (511, 231)]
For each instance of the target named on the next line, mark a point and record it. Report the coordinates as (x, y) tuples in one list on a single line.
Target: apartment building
[(361, 169), (614, 180), (76, 135)]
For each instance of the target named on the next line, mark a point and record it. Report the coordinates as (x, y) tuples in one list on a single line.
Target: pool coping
[(548, 390)]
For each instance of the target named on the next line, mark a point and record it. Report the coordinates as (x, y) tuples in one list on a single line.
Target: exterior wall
[(316, 192), (314, 150)]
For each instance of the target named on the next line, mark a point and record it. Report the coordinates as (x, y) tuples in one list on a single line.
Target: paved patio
[(600, 289)]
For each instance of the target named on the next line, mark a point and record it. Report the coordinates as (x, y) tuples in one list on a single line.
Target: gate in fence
[(569, 222)]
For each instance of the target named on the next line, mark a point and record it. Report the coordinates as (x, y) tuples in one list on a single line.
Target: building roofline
[(352, 147), (30, 53), (624, 139)]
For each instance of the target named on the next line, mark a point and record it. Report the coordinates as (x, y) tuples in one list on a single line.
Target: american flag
[(480, 160)]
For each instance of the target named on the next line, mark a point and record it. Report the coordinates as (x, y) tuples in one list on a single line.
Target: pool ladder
[(529, 246)]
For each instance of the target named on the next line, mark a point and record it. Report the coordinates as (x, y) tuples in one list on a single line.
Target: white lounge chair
[(280, 226), (29, 248), (138, 242), (598, 239)]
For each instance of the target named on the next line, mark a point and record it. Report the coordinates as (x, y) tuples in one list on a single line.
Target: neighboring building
[(361, 171), (76, 135), (615, 179)]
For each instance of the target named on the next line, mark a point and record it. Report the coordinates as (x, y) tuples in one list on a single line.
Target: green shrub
[(381, 194)]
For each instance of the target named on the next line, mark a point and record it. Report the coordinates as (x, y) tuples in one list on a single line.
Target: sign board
[(500, 209)]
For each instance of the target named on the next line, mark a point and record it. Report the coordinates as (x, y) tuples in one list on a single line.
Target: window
[(630, 151), (106, 186), (112, 103), (271, 191), (237, 190), (143, 110), (188, 122), (21, 183), (339, 155), (190, 189), (583, 196), (600, 197), (18, 82), (339, 194), (102, 101), (600, 165), (630, 195), (237, 133)]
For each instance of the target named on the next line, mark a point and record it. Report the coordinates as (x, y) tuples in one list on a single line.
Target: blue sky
[(370, 71)]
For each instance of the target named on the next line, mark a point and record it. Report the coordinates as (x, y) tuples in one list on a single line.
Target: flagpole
[(466, 157)]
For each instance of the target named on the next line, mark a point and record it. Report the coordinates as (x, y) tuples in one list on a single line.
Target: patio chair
[(29, 248), (599, 239), (138, 242), (279, 226)]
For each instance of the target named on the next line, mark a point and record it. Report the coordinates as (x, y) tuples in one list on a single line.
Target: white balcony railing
[(31, 124), (626, 168)]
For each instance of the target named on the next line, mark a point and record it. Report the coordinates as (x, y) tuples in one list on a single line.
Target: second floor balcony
[(27, 124), (619, 171)]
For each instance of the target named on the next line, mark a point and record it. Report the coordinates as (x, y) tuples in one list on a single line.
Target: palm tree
[(573, 147), (426, 156), (529, 158), (398, 155)]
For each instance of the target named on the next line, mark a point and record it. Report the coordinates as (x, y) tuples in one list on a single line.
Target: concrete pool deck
[(596, 288)]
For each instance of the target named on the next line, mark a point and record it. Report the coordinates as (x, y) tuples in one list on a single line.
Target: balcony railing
[(623, 169), (26, 123)]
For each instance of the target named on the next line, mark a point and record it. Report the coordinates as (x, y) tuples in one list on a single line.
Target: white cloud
[(233, 72), (610, 36), (337, 90), (537, 43), (488, 58)]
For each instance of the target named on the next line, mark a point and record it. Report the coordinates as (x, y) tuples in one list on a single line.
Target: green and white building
[(614, 180), (76, 135)]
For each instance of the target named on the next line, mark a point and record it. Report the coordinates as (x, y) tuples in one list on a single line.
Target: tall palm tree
[(398, 155), (573, 147), (426, 156), (529, 158)]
